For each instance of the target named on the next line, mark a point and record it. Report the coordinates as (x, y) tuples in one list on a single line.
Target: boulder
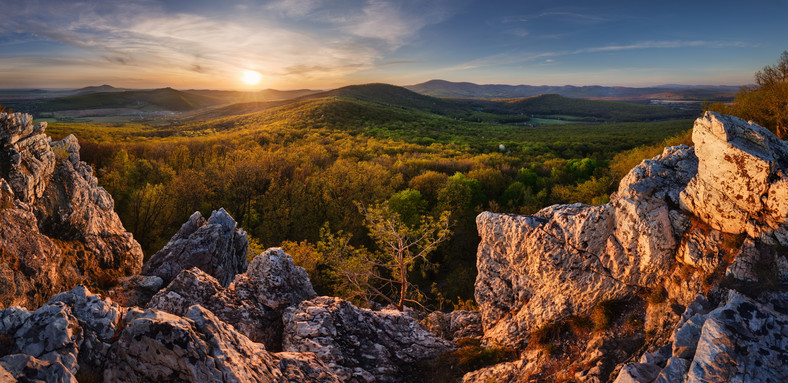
[(216, 246), (253, 303), (25, 368), (742, 181), (678, 222), (360, 345), (157, 346), (742, 340)]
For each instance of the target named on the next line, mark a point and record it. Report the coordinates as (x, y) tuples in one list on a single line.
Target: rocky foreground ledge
[(694, 244)]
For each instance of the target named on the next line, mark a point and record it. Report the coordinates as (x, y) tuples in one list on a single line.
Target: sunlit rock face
[(707, 219), (59, 226), (567, 258), (742, 180)]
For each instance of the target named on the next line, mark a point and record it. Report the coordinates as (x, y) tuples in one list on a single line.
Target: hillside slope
[(442, 88), (157, 99)]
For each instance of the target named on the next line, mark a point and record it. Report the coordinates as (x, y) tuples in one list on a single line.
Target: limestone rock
[(30, 263), (742, 340), (742, 181), (253, 303), (455, 325), (75, 208), (501, 372), (216, 245), (676, 222), (567, 258), (275, 280), (359, 344), (25, 368), (675, 370), (745, 340), (157, 346), (100, 320), (59, 227)]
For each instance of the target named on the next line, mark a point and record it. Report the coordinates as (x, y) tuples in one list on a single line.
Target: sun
[(251, 77)]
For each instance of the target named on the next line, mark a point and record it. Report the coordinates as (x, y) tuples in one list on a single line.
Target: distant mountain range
[(448, 89)]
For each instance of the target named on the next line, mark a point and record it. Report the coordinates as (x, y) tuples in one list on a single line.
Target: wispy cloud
[(195, 47), (518, 57)]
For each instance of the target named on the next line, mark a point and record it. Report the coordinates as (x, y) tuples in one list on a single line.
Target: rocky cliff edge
[(708, 220)]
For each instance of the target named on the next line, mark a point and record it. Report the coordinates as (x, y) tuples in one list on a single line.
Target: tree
[(765, 103), (402, 248)]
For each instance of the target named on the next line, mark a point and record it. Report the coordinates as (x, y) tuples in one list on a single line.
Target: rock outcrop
[(677, 225), (59, 227), (360, 345), (742, 181), (199, 347), (743, 340), (567, 258), (79, 334), (254, 301), (216, 245)]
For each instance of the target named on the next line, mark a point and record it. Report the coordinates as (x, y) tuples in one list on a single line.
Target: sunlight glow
[(251, 77)]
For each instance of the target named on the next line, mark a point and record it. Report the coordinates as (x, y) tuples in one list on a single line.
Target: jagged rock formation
[(254, 301), (216, 245), (199, 348), (677, 224), (360, 345), (59, 227), (78, 334)]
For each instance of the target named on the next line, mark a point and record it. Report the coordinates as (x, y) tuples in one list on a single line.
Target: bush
[(659, 295), (605, 313)]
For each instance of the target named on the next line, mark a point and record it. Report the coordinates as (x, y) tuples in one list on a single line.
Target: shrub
[(548, 333), (605, 313), (657, 296)]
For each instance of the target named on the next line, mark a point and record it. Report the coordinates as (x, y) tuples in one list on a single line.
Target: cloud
[(516, 58), (285, 39), (294, 8)]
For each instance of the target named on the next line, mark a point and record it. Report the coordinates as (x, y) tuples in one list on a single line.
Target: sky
[(322, 44)]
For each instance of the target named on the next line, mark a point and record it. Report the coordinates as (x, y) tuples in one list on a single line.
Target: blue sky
[(330, 43)]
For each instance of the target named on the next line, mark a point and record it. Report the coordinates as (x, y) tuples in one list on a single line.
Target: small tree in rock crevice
[(402, 248)]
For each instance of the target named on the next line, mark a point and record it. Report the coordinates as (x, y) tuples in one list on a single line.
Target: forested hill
[(157, 99), (553, 104), (442, 88)]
